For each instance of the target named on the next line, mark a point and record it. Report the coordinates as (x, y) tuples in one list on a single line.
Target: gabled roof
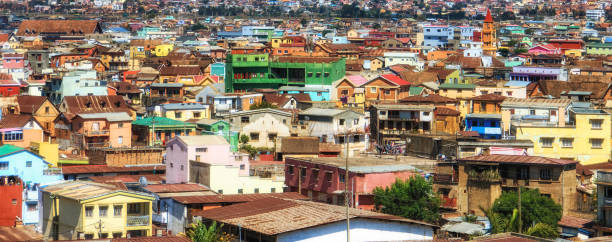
[(94, 104), (396, 79), (30, 104), (15, 121), (165, 188), (488, 18), (381, 78), (519, 159), (62, 27), (199, 140), (111, 117), (9, 149), (491, 97), (429, 98), (84, 190), (180, 70)]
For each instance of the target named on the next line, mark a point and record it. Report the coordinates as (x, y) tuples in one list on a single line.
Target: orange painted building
[(381, 90)]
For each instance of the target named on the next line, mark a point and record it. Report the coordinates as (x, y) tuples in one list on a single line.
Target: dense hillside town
[(287, 120)]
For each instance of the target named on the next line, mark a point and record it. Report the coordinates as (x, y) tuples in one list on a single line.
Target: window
[(509, 93), (14, 201), (567, 142), (32, 207), (120, 140), (117, 210), (483, 107), (103, 210), (117, 234), (251, 101), (242, 167), (256, 190), (373, 89), (272, 136), (46, 109), (13, 135), (328, 176), (273, 190), (29, 163), (309, 74), (133, 208), (240, 191), (608, 192), (202, 149), (318, 74), (182, 167), (341, 121), (290, 168), (553, 112), (532, 112), (254, 136), (177, 115), (545, 173), (303, 172), (196, 115), (387, 91), (88, 211), (120, 125), (596, 143), (104, 235), (244, 120), (596, 123), (220, 191), (315, 174), (88, 236), (546, 142), (341, 177)]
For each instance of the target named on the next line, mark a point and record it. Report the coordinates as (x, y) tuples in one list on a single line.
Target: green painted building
[(599, 49), (152, 131), (219, 127), (252, 71)]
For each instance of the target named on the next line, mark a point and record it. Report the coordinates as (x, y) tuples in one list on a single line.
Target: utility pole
[(346, 191), (520, 220)]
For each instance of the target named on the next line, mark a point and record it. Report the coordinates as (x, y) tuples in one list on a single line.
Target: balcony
[(260, 80), (140, 220), (511, 182), (96, 132), (486, 176), (398, 131), (604, 177), (250, 63), (445, 178)]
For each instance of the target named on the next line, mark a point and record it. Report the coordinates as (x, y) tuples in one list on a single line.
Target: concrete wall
[(361, 230)]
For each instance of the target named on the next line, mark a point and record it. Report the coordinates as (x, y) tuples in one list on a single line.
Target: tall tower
[(489, 39)]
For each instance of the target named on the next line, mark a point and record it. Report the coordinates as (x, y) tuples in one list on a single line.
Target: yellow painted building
[(586, 138), (49, 151), (163, 50), (89, 210)]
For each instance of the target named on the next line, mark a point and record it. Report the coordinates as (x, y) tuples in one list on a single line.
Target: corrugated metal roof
[(483, 115), (383, 169), (68, 170), (164, 188), (518, 159), (535, 102), (111, 117), (237, 198), (184, 106), (426, 107), (322, 112), (81, 190), (272, 216), (199, 140)]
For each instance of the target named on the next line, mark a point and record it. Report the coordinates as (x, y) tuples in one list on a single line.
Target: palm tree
[(200, 233)]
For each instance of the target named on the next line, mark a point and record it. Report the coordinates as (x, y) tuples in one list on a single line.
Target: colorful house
[(90, 210), (548, 49), (219, 127), (20, 130), (348, 91), (35, 173), (599, 49), (157, 130)]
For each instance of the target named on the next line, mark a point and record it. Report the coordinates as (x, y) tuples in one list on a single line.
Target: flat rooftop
[(373, 164)]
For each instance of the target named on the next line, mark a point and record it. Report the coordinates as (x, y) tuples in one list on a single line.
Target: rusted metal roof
[(67, 170), (273, 216), (535, 102), (25, 233), (129, 178), (236, 198), (518, 159), (573, 222), (164, 188)]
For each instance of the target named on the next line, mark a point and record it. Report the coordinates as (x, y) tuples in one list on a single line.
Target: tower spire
[(488, 18)]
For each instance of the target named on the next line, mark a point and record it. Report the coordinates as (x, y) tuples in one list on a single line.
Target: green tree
[(262, 105), (200, 233), (413, 198), (244, 139), (543, 230), (535, 208)]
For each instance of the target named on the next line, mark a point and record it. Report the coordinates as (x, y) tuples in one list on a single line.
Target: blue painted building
[(34, 171), (144, 32), (488, 126), (439, 35), (217, 69), (76, 83), (316, 93)]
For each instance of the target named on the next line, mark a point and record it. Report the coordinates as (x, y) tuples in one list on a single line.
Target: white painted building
[(404, 58)]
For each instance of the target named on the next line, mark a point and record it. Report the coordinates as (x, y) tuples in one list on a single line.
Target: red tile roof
[(4, 38), (430, 98), (237, 198), (66, 170), (518, 159), (15, 121), (66, 27), (573, 222), (491, 97), (29, 104), (396, 79), (164, 188), (445, 111)]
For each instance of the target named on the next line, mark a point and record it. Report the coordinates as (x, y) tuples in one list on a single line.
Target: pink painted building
[(548, 49), (323, 179), (13, 61), (211, 149)]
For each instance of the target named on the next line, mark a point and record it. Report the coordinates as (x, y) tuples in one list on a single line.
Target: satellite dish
[(143, 181)]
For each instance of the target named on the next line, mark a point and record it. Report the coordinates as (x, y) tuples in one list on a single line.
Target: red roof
[(396, 79), (129, 178), (445, 111), (4, 38), (237, 198), (519, 159), (488, 18), (573, 222), (66, 170), (164, 188)]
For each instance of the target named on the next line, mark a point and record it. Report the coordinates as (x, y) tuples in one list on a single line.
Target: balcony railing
[(445, 178), (52, 171), (142, 220), (487, 176), (96, 132)]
